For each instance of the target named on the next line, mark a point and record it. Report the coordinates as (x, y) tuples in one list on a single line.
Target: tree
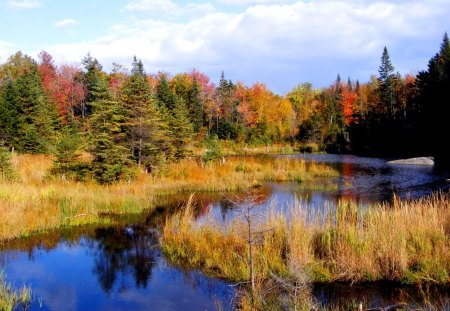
[(175, 113), (93, 77), (433, 97), (6, 169), (111, 161), (67, 151), (144, 127), (387, 81), (28, 120), (196, 105)]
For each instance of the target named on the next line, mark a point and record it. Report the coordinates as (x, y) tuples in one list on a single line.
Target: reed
[(12, 299), (407, 241)]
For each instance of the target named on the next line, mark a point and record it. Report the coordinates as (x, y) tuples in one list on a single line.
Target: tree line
[(129, 120)]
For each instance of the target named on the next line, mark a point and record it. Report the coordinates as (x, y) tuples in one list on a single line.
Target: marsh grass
[(12, 299), (406, 241), (37, 201)]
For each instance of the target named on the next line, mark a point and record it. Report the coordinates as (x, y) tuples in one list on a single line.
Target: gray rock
[(414, 161)]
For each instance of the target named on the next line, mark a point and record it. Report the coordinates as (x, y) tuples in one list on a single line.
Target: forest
[(128, 121)]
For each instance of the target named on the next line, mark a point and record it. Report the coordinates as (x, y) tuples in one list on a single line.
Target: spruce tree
[(387, 83), (93, 76), (27, 118), (181, 128), (111, 161), (433, 100), (175, 113), (144, 126), (6, 169), (67, 151), (196, 106)]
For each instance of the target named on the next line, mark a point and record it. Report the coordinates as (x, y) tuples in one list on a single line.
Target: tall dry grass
[(407, 241), (36, 201)]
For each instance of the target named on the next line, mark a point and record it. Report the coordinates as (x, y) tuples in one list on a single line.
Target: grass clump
[(12, 299), (407, 241)]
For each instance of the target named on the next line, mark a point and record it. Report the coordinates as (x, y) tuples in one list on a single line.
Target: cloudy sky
[(280, 43)]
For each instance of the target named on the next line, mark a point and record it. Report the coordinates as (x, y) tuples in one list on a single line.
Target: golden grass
[(236, 173), (406, 241), (11, 299), (36, 201)]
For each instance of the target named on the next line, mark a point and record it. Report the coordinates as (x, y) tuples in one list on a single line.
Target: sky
[(279, 43)]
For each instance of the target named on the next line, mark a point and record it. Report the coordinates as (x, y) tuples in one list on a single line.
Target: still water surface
[(122, 268)]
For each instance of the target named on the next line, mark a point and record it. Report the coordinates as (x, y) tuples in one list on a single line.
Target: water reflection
[(115, 268), (364, 180), (119, 250), (121, 267)]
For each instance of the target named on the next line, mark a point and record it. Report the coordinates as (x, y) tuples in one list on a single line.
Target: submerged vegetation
[(36, 200), (406, 241)]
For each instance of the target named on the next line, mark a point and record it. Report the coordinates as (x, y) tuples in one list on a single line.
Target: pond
[(122, 268)]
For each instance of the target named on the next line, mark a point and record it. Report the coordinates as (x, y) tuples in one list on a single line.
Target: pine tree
[(28, 119), (433, 100), (144, 126), (181, 127), (111, 161), (387, 81), (166, 97), (6, 169), (196, 106), (93, 76), (67, 151), (9, 113), (175, 113)]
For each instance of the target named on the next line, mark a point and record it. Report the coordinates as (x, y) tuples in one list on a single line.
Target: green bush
[(213, 149), (6, 170)]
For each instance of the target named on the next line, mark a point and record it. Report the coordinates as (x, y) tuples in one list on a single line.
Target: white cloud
[(302, 41), (24, 4), (168, 7), (156, 6), (251, 2), (65, 23)]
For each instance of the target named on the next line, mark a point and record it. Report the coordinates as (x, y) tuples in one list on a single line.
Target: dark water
[(122, 268)]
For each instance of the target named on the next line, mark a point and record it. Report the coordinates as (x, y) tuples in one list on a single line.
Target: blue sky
[(280, 43)]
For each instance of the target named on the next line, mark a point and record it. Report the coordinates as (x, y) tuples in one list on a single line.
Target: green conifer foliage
[(111, 161), (144, 126)]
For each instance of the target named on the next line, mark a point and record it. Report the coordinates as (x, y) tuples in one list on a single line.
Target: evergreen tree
[(196, 106), (387, 83), (175, 113), (9, 114), (111, 161), (181, 128), (6, 169), (166, 97), (28, 120), (144, 126), (433, 102), (93, 76), (67, 151)]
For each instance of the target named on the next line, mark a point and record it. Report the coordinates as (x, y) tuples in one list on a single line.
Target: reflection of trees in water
[(380, 294), (123, 252)]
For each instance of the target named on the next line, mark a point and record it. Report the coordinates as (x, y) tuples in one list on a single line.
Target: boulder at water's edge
[(414, 161)]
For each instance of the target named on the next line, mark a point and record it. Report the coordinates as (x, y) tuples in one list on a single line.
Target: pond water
[(121, 267)]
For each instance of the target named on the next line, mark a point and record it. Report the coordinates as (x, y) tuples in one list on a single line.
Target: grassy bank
[(36, 201), (407, 241)]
